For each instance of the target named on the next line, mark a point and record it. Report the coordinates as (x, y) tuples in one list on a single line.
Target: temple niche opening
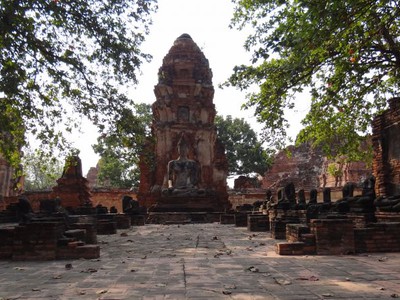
[(184, 167)]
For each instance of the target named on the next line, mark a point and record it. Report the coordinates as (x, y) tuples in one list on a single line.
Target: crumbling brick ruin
[(307, 167), (72, 188)]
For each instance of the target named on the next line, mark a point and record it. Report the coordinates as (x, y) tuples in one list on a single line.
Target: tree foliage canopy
[(119, 148), (346, 53), (61, 59), (244, 152), (41, 171)]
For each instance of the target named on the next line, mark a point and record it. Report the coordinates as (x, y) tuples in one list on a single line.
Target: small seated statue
[(129, 205), (326, 194), (183, 173), (360, 203), (388, 204), (326, 204), (314, 207), (286, 197), (301, 202), (24, 210), (348, 189), (268, 201), (313, 197), (101, 210)]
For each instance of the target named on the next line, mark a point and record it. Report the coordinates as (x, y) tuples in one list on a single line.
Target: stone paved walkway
[(201, 261)]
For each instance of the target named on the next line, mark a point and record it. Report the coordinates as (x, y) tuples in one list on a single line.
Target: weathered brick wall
[(333, 236), (386, 145), (378, 237), (240, 198), (106, 197), (295, 231), (36, 241), (302, 167), (7, 242), (40, 241), (340, 236), (112, 197), (35, 198), (257, 222), (307, 168)]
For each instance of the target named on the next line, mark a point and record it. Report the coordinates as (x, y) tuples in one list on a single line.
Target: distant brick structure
[(72, 188), (307, 168), (301, 165), (110, 197), (92, 177), (245, 182)]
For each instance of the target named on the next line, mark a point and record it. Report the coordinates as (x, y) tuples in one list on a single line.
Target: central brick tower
[(184, 107)]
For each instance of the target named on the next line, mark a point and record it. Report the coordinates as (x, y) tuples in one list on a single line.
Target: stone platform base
[(182, 217), (185, 204), (257, 222), (387, 216), (43, 241)]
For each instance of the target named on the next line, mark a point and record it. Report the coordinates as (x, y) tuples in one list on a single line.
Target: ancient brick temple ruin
[(185, 168)]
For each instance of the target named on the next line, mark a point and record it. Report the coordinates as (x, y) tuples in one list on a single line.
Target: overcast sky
[(207, 22)]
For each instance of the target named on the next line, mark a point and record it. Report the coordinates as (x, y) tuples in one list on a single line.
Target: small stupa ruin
[(72, 188)]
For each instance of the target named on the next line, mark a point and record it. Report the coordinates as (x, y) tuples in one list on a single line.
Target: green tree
[(336, 170), (116, 173), (346, 53), (61, 60), (40, 171), (120, 147), (244, 152)]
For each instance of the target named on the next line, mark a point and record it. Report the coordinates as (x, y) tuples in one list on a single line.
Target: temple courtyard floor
[(201, 261)]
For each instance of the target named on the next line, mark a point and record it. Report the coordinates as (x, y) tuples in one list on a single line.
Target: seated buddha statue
[(183, 173)]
